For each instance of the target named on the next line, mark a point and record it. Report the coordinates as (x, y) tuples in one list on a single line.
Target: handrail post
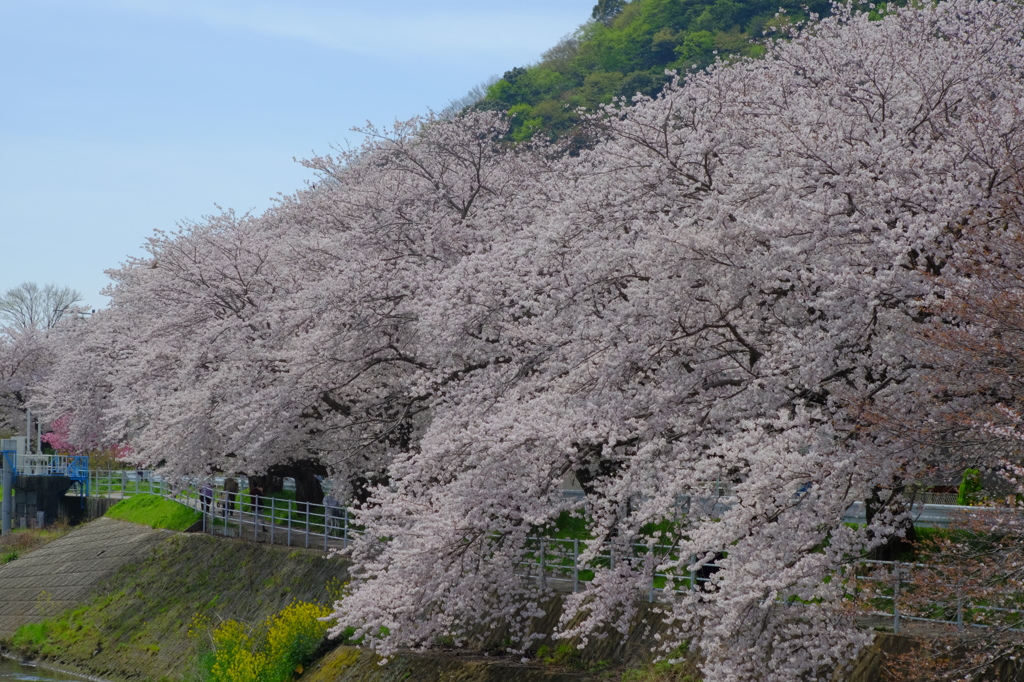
[(575, 565), (344, 530), (541, 565), (895, 605), (959, 607), (273, 516), (651, 551)]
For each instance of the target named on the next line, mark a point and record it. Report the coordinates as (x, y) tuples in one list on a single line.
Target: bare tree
[(29, 306), (559, 57), (475, 95)]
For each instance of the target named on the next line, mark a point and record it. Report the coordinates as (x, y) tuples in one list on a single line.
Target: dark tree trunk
[(895, 547), (595, 467), (307, 488), (269, 484), (305, 471)]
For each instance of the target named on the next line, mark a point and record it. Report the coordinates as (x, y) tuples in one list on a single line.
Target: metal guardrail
[(556, 561), (75, 467), (263, 518), (932, 510), (272, 519), (961, 611), (549, 561)]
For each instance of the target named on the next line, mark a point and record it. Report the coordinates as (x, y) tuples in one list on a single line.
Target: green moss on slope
[(136, 625), (154, 511)]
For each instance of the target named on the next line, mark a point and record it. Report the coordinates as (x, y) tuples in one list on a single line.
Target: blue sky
[(118, 117)]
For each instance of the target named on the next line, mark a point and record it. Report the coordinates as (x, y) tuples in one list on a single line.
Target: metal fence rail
[(895, 583), (551, 562), (272, 519), (236, 514)]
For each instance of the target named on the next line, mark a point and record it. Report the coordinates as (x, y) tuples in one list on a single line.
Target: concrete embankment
[(62, 574), (602, 660), (118, 600), (350, 664), (132, 621)]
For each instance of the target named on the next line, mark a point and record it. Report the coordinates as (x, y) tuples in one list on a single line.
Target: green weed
[(564, 655), (155, 512), (31, 637)]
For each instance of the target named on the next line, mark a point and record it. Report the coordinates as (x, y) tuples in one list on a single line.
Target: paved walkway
[(61, 574)]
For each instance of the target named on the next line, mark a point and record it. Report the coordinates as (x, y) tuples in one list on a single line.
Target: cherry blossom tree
[(27, 314), (283, 342), (974, 350), (730, 286), (972, 579), (23, 362)]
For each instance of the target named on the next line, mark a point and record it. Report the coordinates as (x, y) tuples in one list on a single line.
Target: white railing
[(551, 562), (894, 585), (273, 519), (47, 465), (263, 518)]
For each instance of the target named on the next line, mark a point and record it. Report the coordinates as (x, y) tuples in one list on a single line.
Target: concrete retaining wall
[(61, 574)]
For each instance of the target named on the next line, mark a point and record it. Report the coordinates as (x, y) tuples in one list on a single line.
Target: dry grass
[(21, 542)]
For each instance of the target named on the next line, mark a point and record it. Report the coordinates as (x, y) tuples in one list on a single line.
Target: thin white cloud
[(399, 29)]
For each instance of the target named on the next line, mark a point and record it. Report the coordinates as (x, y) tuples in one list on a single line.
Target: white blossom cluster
[(720, 289)]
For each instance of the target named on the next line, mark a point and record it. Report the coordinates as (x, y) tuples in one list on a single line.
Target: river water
[(12, 670)]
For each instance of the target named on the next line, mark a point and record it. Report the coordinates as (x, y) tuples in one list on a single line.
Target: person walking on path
[(230, 493), (330, 513), (256, 494), (206, 497)]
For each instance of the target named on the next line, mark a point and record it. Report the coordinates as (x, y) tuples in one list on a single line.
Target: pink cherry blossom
[(726, 287)]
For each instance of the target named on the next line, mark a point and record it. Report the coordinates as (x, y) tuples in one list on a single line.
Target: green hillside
[(626, 48), (155, 511)]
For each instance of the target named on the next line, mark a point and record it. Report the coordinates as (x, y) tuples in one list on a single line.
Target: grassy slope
[(21, 542), (155, 512), (136, 624)]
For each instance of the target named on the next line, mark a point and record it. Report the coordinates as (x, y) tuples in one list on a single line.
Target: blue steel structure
[(75, 467)]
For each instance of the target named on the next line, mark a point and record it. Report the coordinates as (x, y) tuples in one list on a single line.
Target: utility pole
[(10, 449)]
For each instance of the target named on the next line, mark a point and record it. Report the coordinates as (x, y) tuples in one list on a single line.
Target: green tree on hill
[(626, 50), (606, 10)]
